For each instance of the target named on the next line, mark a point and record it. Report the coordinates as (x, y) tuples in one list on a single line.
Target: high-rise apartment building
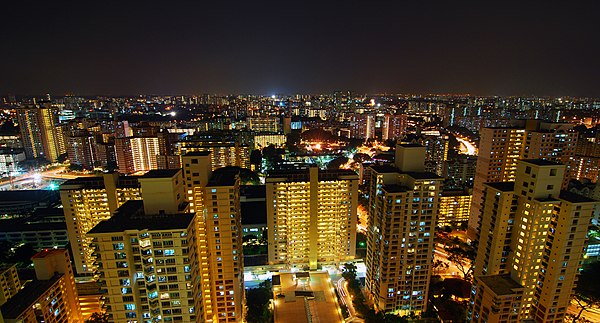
[(39, 132), (311, 216), (214, 196), (145, 264), (51, 297), (499, 150), (145, 253), (362, 126), (586, 162), (501, 147), (81, 149), (403, 206), (532, 243), (436, 150), (223, 153), (136, 154), (393, 126), (455, 207), (263, 124), (87, 201), (167, 144)]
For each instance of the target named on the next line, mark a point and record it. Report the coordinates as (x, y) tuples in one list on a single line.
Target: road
[(346, 300), (452, 270), (592, 314), (466, 147), (35, 178)]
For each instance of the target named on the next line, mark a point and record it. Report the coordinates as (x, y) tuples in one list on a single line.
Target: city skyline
[(275, 162), (270, 48)]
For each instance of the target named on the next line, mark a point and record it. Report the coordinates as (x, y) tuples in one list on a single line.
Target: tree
[(587, 292), (23, 254), (337, 162), (76, 167), (257, 301), (62, 158), (463, 257), (98, 318), (361, 158), (439, 265)]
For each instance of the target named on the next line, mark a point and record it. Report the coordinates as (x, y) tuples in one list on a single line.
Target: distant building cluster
[(169, 208)]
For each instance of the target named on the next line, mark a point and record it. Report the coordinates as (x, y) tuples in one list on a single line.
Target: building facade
[(51, 297), (215, 197), (86, 202), (39, 134), (403, 206), (455, 207), (311, 216), (535, 240)]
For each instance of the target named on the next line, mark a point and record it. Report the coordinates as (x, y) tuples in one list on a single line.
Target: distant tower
[(39, 132)]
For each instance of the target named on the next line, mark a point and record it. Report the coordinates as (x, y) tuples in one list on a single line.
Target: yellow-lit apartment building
[(223, 153), (145, 254), (533, 238), (499, 150), (311, 216), (501, 147), (214, 196), (86, 202), (51, 297), (39, 134), (403, 206), (455, 207)]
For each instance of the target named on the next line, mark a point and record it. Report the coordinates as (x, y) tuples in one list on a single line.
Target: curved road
[(346, 299)]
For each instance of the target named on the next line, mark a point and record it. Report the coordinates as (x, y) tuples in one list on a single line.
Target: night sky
[(292, 47)]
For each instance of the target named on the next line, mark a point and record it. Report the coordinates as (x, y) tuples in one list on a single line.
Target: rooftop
[(161, 173), (394, 188), (574, 197), (541, 162), (48, 252), (299, 300), (26, 297), (455, 193), (423, 175), (198, 153), (130, 216), (501, 284), (384, 168), (411, 145), (98, 182), (502, 186), (303, 175)]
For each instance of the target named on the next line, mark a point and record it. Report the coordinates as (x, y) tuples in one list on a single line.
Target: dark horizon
[(483, 49)]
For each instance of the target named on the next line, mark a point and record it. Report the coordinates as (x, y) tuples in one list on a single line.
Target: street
[(346, 300), (591, 314), (38, 180)]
